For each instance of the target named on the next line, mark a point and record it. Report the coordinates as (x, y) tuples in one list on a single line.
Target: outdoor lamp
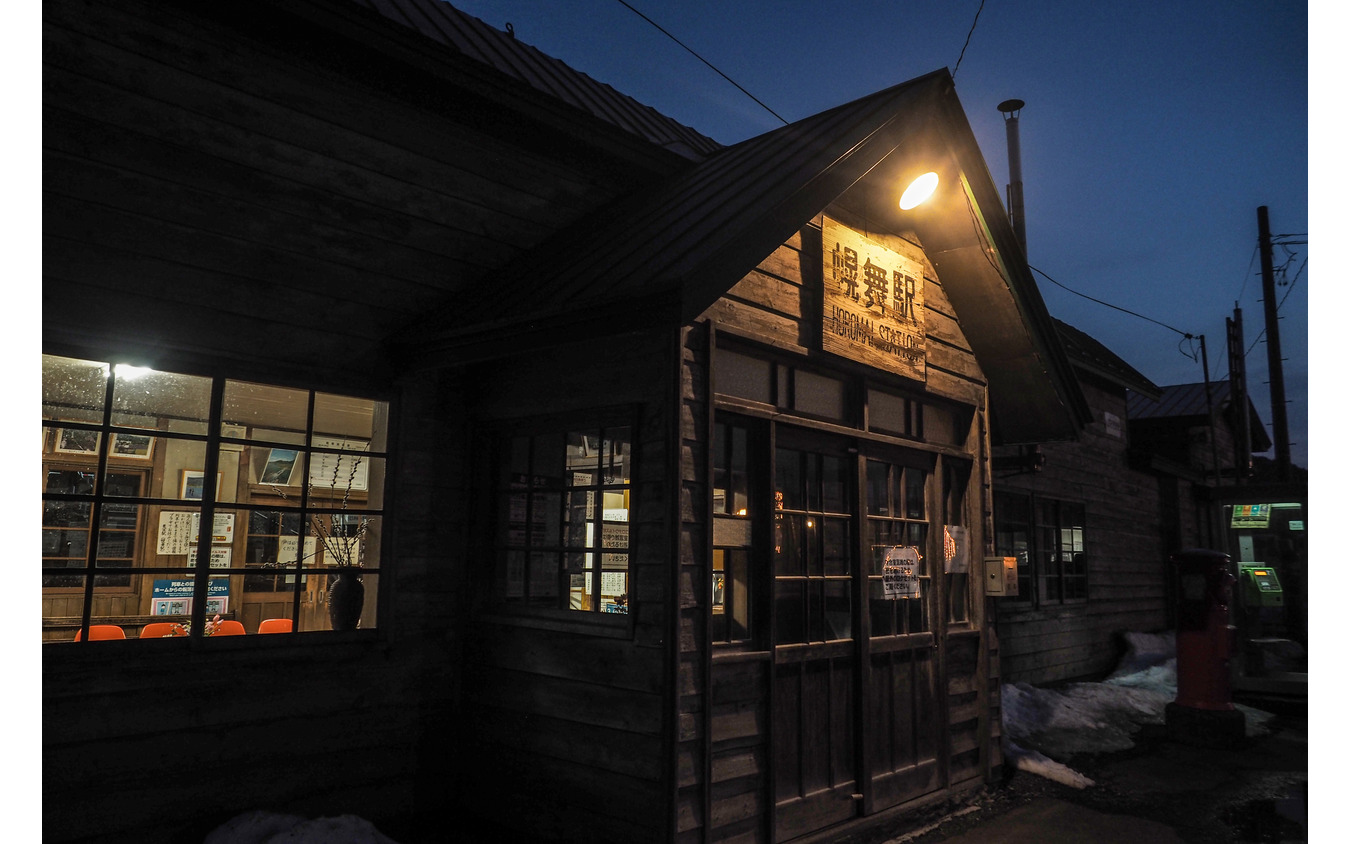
[(918, 191)]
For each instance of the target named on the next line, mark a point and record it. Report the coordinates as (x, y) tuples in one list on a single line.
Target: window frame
[(495, 441), (215, 437), (1038, 565)]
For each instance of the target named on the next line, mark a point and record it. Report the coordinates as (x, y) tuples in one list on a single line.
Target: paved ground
[(1159, 791)]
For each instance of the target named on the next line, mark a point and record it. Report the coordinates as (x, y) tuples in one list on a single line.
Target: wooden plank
[(584, 703)]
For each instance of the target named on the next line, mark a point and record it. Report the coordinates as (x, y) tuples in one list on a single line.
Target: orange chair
[(103, 631), (229, 628), (159, 629), (276, 625)]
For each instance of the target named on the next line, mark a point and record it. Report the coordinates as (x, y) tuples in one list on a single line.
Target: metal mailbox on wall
[(1000, 577)]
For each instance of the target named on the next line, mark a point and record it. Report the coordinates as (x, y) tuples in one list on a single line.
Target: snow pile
[(1041, 724), (258, 827)]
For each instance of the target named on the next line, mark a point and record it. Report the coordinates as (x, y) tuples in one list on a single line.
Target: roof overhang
[(677, 249)]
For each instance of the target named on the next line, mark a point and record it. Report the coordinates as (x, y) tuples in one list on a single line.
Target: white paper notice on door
[(900, 572)]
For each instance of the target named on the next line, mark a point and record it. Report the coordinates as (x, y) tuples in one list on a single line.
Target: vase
[(346, 596)]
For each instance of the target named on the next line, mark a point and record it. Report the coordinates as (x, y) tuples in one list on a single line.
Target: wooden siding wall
[(226, 165), (778, 305), (568, 727), (155, 741), (230, 188), (1132, 524)]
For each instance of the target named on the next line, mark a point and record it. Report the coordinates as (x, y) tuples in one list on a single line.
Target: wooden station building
[(667, 464)]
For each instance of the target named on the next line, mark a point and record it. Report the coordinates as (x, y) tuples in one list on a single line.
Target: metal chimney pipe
[(1016, 214)]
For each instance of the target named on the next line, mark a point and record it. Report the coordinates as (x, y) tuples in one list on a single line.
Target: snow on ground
[(1040, 724)]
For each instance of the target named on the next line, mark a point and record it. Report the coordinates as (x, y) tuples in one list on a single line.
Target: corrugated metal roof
[(1087, 352), (666, 255), (475, 39), (1178, 400), (749, 198), (1187, 401)]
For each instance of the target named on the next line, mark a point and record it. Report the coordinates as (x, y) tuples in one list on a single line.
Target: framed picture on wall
[(76, 441), (279, 467), (194, 483), (137, 446)]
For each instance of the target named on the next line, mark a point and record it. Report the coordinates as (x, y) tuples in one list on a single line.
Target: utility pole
[(1237, 393), (1278, 416)]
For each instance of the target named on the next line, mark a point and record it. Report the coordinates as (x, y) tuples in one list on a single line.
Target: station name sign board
[(873, 303)]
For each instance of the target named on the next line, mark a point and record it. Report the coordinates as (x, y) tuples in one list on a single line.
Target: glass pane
[(815, 611), (834, 485), (790, 544), (345, 417), (265, 412), (838, 610), (615, 456), (740, 476), (544, 574), (881, 608), (837, 551), (578, 519), (73, 389), (878, 503), (721, 469), (740, 375), (789, 488), (914, 484), (583, 457), (142, 397), (789, 611), (819, 395), (887, 413)]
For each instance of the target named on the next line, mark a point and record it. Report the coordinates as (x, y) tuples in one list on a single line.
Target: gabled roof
[(472, 38), (1089, 355), (663, 257), (1188, 403)]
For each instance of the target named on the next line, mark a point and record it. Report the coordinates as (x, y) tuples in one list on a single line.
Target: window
[(298, 486), (956, 477), (897, 526), (812, 547), (562, 541), (1047, 537), (782, 385), (733, 615)]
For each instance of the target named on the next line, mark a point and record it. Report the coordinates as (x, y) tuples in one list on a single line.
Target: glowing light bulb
[(918, 191)]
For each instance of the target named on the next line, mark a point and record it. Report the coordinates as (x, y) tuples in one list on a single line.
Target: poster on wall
[(873, 309), (178, 530), (174, 597), (900, 572)]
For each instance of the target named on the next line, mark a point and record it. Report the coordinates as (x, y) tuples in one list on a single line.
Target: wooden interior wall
[(1127, 551), (568, 726), (778, 304)]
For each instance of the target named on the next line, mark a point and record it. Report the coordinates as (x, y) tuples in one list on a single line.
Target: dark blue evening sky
[(1151, 134)]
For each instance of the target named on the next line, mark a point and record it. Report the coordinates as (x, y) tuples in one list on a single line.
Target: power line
[(1185, 334), (967, 44), (705, 61)]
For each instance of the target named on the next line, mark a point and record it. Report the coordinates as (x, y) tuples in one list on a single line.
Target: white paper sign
[(900, 572)]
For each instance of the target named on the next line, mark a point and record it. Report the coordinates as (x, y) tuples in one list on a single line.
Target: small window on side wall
[(564, 494)]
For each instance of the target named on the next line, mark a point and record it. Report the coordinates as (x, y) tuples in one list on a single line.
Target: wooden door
[(900, 707), (815, 648)]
